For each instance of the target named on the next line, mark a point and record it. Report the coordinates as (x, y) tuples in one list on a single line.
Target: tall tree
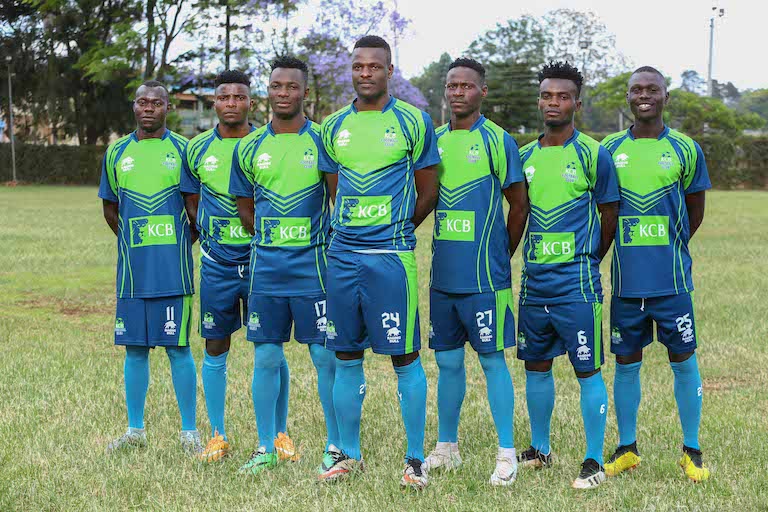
[(693, 82), (524, 39), (694, 115), (431, 83), (512, 92)]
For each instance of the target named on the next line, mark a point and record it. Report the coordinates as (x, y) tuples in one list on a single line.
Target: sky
[(672, 35)]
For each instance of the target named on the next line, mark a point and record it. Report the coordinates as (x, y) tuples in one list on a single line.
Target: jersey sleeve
[(606, 183), (108, 183), (241, 176), (514, 168), (190, 180), (328, 164), (696, 179), (425, 152)]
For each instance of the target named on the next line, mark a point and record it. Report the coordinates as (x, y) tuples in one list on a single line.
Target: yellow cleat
[(623, 459), (693, 466), (285, 448), (217, 449)]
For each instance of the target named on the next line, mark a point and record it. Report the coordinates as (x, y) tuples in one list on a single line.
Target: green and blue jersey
[(207, 165), (375, 154), (561, 254), (470, 247), (651, 256), (154, 256), (291, 209)]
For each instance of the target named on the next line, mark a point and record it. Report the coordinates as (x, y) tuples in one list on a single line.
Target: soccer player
[(224, 244), (662, 178), (384, 154), (282, 198), (471, 288), (143, 206), (574, 203)]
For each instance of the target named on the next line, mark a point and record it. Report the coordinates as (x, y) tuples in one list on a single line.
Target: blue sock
[(325, 364), (215, 389), (412, 390), (501, 396), (184, 377), (265, 387), (281, 418), (594, 405), (688, 393), (626, 398), (540, 397), (451, 388), (136, 371), (348, 396)]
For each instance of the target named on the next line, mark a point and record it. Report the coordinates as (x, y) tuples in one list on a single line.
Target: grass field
[(61, 385)]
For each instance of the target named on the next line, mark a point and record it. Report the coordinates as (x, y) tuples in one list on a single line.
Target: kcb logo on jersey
[(342, 139), (529, 172), (285, 231), (551, 247), (570, 174), (264, 161), (643, 230), (621, 161), (211, 163), (365, 210), (152, 230), (229, 231), (127, 164), (330, 331), (308, 161), (665, 162), (473, 155), (253, 322), (208, 322), (170, 162), (119, 326), (455, 225), (390, 137)]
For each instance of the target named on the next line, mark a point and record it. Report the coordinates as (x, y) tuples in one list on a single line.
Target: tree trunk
[(150, 57), (228, 28)]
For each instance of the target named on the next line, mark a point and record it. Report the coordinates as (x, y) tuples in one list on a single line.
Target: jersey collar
[(388, 106), (135, 135), (302, 131), (217, 133), (477, 124), (663, 133), (570, 140)]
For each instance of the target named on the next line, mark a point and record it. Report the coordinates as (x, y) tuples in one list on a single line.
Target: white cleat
[(591, 475), (506, 467), (445, 457)]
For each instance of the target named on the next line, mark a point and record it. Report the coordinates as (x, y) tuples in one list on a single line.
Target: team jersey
[(206, 169), (281, 173), (561, 260), (470, 244), (154, 255), (651, 257), (375, 154)]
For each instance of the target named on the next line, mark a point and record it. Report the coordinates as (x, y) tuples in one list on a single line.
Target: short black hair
[(291, 62), (650, 69), (375, 42), (232, 76), (466, 62), (562, 70), (155, 83)]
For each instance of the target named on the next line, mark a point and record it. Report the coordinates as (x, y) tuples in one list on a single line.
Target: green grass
[(61, 385)]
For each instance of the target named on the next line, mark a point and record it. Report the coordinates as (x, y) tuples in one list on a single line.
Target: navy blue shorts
[(486, 320), (153, 322), (223, 298), (373, 303), (270, 319), (545, 332), (632, 323)]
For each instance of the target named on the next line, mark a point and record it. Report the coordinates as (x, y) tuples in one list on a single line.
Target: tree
[(431, 83), (693, 82), (519, 40), (755, 102), (727, 92), (693, 114), (512, 92)]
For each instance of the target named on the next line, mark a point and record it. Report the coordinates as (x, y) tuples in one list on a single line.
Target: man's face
[(371, 72), (150, 108), (558, 101), (647, 95), (464, 91), (232, 104), (287, 91)]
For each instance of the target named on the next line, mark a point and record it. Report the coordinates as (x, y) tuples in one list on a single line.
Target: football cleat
[(591, 475), (445, 456), (534, 458), (133, 438), (506, 470), (285, 448), (623, 459), (259, 461), (190, 442), (342, 468), (216, 449), (330, 457), (693, 466), (414, 475)]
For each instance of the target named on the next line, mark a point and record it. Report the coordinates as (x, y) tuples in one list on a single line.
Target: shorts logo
[(342, 139), (119, 326), (366, 210), (253, 322), (127, 164), (170, 323), (229, 231), (529, 172), (308, 162), (391, 322), (621, 161), (455, 225), (321, 323), (211, 163), (583, 352), (170, 162), (644, 230), (473, 155), (330, 333), (521, 340), (285, 231), (431, 330), (208, 322), (486, 334), (264, 161), (665, 162), (551, 247), (484, 329), (390, 137), (152, 230), (685, 327), (616, 336), (569, 174)]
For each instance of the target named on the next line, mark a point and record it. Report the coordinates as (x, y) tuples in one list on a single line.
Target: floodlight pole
[(719, 13), (9, 60)]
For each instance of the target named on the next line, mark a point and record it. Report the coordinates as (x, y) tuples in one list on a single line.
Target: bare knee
[(405, 359), (679, 358), (586, 375), (217, 347), (350, 356), (538, 366), (631, 358)]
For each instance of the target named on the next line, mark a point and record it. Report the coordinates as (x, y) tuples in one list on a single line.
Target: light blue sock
[(184, 377), (325, 364), (451, 388), (136, 372), (412, 390), (348, 396), (501, 396), (281, 418), (215, 388), (265, 388), (626, 397), (540, 397), (594, 405), (688, 394)]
